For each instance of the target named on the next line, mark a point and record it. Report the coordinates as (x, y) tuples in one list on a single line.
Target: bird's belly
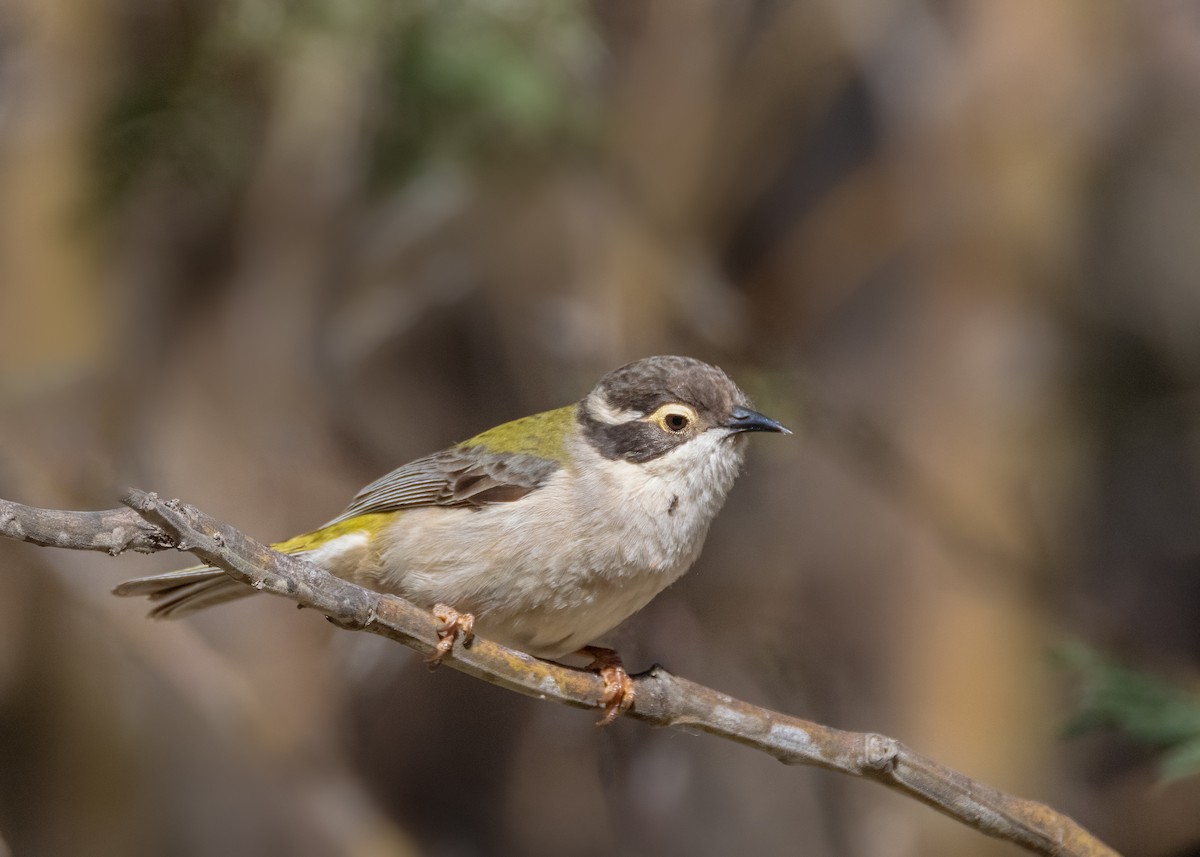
[(542, 585), (577, 614)]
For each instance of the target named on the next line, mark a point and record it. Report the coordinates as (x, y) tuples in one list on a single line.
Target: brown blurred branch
[(151, 524)]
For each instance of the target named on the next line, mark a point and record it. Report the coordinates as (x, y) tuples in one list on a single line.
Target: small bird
[(543, 533)]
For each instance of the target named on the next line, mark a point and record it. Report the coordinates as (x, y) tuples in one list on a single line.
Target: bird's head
[(670, 408)]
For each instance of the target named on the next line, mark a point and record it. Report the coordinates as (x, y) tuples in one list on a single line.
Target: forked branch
[(151, 524)]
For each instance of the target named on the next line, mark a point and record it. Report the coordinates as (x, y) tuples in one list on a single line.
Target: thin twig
[(151, 524)]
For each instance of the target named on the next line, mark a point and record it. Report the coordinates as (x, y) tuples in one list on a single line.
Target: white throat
[(660, 510)]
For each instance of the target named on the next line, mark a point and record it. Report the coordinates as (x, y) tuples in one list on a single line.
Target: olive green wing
[(500, 465), (460, 476)]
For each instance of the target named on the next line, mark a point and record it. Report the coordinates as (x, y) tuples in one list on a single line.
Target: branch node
[(354, 619), (879, 752)]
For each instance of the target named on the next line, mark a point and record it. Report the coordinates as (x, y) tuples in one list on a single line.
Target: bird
[(543, 533)]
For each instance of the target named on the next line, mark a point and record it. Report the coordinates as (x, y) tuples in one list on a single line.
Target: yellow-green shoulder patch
[(543, 435), (369, 524)]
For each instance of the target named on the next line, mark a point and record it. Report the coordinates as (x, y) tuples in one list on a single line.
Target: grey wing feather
[(459, 476)]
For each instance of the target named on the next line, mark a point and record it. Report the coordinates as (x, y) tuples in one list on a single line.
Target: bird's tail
[(181, 593)]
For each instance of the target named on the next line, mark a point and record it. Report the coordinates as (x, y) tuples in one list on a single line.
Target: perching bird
[(544, 532)]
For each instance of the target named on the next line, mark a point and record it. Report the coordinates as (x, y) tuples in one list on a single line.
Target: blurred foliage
[(190, 101), (453, 82), (469, 80), (1147, 708)]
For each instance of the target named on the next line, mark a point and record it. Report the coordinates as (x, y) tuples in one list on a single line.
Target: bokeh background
[(254, 253)]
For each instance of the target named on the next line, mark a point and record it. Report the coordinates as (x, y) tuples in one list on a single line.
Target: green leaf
[(1149, 709)]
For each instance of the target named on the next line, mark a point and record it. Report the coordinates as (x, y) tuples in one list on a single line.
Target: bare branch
[(663, 699), (112, 531)]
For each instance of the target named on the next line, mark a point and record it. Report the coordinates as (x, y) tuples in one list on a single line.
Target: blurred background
[(255, 253)]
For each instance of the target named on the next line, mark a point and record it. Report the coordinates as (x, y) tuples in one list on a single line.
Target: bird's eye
[(673, 418), (675, 421)]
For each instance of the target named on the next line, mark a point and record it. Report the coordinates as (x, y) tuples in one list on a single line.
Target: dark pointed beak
[(744, 419)]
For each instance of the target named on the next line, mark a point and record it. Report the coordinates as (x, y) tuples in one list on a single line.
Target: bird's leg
[(454, 625), (618, 686)]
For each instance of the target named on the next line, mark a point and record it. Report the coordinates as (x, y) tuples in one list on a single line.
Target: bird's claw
[(454, 625), (618, 686)]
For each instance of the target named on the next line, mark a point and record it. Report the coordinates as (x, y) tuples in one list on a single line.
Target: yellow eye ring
[(673, 418), (675, 421)]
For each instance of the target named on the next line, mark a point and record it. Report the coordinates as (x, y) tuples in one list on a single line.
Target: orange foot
[(454, 625), (618, 686)]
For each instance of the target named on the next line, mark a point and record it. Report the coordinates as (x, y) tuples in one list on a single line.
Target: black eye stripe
[(636, 441)]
